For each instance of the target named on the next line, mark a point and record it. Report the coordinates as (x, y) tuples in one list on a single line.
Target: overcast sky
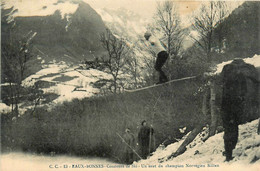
[(146, 8)]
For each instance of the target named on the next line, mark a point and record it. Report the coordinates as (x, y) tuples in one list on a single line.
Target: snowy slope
[(123, 22), (246, 154), (68, 82), (199, 154), (72, 81), (27, 8), (255, 60)]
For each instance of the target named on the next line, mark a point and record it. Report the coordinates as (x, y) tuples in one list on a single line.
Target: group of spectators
[(140, 148)]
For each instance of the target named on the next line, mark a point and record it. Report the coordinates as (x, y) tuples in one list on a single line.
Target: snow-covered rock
[(255, 60), (4, 108)]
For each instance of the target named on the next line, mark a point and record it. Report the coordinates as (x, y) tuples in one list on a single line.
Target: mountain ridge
[(75, 35)]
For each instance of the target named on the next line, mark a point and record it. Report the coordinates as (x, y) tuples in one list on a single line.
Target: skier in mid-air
[(156, 46)]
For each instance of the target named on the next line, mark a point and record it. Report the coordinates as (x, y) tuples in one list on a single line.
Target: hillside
[(66, 30), (61, 82), (199, 155), (123, 22), (242, 34), (131, 27), (77, 116), (240, 40), (208, 155)]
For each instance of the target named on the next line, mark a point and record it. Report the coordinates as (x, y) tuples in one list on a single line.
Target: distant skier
[(161, 54), (144, 137), (233, 104), (129, 140)]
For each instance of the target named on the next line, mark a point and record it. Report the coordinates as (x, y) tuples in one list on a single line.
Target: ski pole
[(129, 146), (152, 122)]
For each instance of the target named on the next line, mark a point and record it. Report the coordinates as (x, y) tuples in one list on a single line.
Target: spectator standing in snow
[(155, 45), (144, 137), (129, 141), (233, 99)]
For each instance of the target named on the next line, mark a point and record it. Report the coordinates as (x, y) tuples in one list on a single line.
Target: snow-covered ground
[(202, 154), (199, 155), (33, 162), (68, 82)]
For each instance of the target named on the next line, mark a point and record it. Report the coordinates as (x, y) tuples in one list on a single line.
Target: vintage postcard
[(130, 85)]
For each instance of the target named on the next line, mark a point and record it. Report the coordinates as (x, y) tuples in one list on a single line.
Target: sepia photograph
[(130, 85)]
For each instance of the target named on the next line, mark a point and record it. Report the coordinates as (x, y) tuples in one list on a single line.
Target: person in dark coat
[(128, 146), (233, 103), (144, 137), (161, 55)]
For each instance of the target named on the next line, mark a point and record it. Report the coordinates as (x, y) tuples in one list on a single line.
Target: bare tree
[(145, 64), (116, 53), (209, 18), (15, 56), (221, 26), (168, 21), (132, 67)]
